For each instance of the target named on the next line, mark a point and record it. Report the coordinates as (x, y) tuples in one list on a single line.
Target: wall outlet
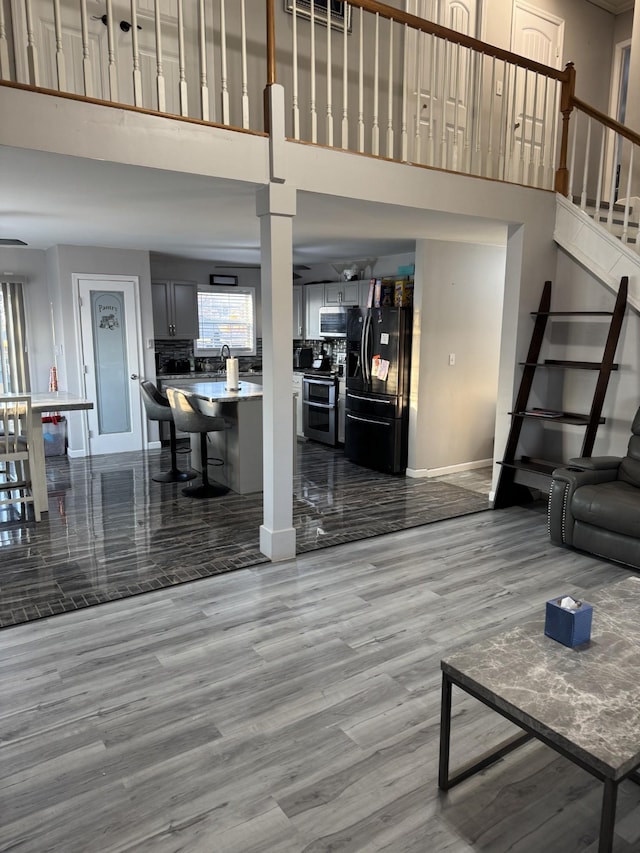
[(498, 87), (452, 359)]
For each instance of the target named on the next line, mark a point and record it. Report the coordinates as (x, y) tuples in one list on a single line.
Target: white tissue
[(568, 603), (232, 374)]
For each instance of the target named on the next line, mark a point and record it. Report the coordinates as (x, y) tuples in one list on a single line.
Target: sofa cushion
[(613, 506), (629, 471)]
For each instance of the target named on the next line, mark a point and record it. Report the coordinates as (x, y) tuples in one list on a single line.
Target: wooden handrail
[(430, 28), (611, 123)]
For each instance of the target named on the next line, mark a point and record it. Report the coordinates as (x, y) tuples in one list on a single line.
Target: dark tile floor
[(112, 532)]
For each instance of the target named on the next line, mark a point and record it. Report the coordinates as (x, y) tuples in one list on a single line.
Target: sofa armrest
[(596, 463), (564, 483)]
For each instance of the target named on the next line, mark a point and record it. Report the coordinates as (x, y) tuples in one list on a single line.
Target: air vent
[(6, 241)]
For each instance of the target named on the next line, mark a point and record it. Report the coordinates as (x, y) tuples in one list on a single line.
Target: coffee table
[(583, 702)]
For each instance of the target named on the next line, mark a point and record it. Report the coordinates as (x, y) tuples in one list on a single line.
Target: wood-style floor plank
[(295, 708)]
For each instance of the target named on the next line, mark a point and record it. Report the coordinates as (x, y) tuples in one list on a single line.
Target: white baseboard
[(76, 454), (417, 473), (154, 445)]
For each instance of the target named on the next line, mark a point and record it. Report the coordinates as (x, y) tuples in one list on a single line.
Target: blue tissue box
[(569, 627)]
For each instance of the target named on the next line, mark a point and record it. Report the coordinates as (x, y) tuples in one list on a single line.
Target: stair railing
[(602, 178)]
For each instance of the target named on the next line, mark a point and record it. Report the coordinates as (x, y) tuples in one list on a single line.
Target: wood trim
[(71, 96), (429, 27), (609, 122)]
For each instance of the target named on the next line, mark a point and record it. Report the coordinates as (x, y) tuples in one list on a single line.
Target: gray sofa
[(594, 504)]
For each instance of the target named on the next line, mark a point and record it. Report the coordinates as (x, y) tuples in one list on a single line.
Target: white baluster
[(224, 75), (523, 128), (404, 133), (532, 140), (329, 127), (60, 69), (345, 82), (361, 84), (503, 126), (135, 55), (87, 76), (468, 125), (295, 101), (443, 111), (476, 155), (492, 96), (512, 169), (375, 128), (555, 116), (625, 225), (540, 177), (111, 52), (572, 161), (182, 85), (4, 48), (417, 77), (160, 82), (612, 180), (456, 107), (312, 100), (435, 50), (32, 50), (245, 76), (205, 113), (390, 94), (596, 213), (585, 170)]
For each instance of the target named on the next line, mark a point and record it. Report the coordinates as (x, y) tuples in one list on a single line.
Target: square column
[(276, 207)]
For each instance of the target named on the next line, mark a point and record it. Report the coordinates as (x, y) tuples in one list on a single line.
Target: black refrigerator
[(378, 366)]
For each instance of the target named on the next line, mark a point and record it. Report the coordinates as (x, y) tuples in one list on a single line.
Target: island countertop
[(217, 392)]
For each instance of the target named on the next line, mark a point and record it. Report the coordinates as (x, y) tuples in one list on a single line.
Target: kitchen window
[(226, 315), (14, 365)]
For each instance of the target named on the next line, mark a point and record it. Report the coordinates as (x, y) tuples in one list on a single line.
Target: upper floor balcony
[(362, 77)]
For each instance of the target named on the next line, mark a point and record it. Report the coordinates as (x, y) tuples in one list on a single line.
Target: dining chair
[(15, 468)]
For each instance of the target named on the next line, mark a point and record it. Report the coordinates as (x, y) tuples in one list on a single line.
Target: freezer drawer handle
[(312, 405), (370, 399), (367, 421)]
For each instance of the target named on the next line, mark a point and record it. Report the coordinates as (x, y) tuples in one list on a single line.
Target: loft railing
[(602, 177), (376, 81), (188, 58)]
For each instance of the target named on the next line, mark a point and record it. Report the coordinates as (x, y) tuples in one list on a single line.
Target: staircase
[(585, 237)]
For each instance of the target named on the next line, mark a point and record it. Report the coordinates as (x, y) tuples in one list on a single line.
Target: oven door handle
[(327, 382), (368, 421), (318, 405)]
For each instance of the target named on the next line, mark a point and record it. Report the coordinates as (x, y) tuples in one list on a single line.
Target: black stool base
[(174, 476), (206, 490)]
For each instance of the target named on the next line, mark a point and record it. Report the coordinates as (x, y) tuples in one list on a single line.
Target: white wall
[(29, 265), (459, 290)]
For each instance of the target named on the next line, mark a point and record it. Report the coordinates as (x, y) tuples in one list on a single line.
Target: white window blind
[(226, 315), (14, 365)]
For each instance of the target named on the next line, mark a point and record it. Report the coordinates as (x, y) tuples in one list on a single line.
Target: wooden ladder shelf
[(508, 491)]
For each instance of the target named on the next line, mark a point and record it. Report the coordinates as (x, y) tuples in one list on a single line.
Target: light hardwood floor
[(294, 708)]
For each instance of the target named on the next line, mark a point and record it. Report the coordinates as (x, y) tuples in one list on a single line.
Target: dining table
[(46, 402)]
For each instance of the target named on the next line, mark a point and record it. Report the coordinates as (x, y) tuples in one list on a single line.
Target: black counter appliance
[(377, 387)]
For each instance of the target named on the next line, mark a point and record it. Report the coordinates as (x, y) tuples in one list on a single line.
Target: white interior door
[(536, 34), (111, 354), (442, 84)]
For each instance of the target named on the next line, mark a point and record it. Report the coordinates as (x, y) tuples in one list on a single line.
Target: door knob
[(135, 376)]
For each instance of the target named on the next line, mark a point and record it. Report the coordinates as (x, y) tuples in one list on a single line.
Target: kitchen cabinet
[(342, 390), (342, 293), (175, 309), (297, 389), (298, 312), (313, 302)]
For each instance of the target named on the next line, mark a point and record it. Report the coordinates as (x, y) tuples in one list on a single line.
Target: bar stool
[(189, 418), (158, 409)]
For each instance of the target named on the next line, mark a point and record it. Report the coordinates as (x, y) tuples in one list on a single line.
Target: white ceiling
[(49, 199)]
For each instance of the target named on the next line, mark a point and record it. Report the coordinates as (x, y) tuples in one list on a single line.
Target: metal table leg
[(608, 817)]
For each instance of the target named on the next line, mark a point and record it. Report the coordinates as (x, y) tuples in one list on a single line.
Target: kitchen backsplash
[(177, 357)]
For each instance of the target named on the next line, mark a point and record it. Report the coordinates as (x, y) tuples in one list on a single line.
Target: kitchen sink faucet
[(222, 351)]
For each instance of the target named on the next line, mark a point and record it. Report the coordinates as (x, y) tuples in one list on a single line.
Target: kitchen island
[(240, 445)]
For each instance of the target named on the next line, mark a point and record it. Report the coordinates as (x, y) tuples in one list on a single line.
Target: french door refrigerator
[(377, 387)]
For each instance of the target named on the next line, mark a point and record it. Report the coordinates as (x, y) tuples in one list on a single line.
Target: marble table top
[(585, 699), (57, 401), (217, 392)]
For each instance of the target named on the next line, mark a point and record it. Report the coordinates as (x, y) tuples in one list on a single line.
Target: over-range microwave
[(333, 322)]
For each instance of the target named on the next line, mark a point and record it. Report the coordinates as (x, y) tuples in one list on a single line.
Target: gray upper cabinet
[(313, 302), (175, 309), (298, 312), (363, 291), (342, 293)]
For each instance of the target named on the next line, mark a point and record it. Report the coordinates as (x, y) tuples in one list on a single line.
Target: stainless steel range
[(320, 407)]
